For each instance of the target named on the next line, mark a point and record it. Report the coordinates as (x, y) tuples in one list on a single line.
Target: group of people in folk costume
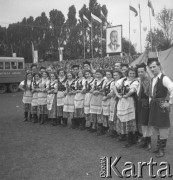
[(124, 103)]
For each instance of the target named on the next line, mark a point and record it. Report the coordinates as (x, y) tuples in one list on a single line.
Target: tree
[(165, 20), (125, 47), (159, 42)]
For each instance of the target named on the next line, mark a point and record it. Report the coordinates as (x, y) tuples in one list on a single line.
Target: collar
[(158, 76)]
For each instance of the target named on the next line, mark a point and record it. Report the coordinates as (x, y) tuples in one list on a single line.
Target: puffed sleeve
[(134, 86)]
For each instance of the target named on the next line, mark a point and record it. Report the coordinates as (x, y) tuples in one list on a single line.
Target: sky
[(12, 11)]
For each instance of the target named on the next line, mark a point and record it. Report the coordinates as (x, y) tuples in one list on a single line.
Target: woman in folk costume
[(88, 86), (126, 110), (79, 118), (51, 99), (42, 97), (103, 127), (35, 89), (26, 87), (117, 74), (60, 95), (68, 108), (96, 100)]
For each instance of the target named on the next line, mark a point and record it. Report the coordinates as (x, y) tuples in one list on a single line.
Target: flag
[(134, 10), (86, 20), (102, 15), (96, 18), (151, 6)]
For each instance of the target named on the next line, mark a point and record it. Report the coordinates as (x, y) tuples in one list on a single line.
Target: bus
[(12, 72)]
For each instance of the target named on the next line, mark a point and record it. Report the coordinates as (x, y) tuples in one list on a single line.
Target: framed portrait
[(114, 39)]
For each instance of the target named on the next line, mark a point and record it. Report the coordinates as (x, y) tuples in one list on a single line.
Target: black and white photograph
[(86, 89), (114, 39)]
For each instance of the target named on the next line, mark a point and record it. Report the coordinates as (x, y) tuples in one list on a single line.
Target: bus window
[(7, 65), (1, 65), (20, 65), (13, 65)]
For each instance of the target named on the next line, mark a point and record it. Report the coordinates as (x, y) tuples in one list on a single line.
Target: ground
[(41, 152)]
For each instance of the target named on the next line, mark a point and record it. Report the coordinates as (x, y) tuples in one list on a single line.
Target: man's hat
[(151, 60)]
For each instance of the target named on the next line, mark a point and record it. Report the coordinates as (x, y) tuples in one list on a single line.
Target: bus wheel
[(13, 88), (3, 88)]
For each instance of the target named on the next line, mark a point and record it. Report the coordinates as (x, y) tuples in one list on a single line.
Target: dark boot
[(64, 122), (143, 143), (54, 122), (148, 143), (82, 124), (129, 140), (161, 152), (43, 118), (73, 123), (35, 118), (59, 121), (122, 137), (25, 116), (99, 129), (158, 145), (90, 127), (30, 117)]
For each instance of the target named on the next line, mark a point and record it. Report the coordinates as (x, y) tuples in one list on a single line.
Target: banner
[(114, 39)]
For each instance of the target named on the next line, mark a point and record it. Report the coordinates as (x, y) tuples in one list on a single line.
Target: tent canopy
[(165, 59)]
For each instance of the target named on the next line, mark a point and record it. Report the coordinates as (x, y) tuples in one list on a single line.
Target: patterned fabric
[(27, 107), (52, 113), (59, 111), (126, 127), (42, 95), (79, 113), (43, 109), (87, 103), (68, 103), (34, 109)]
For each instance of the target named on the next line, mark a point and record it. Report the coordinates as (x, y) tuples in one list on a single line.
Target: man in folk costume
[(143, 106), (160, 105), (75, 70)]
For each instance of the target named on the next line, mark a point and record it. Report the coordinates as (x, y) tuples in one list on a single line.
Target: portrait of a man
[(113, 44)]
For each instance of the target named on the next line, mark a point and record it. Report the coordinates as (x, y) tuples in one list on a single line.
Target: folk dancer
[(117, 74), (68, 108), (143, 106), (126, 107), (25, 86), (60, 95), (35, 89), (96, 101), (79, 117), (106, 102), (52, 99), (42, 98), (160, 105)]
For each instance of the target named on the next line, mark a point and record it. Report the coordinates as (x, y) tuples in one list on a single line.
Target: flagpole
[(91, 37), (83, 37), (101, 37), (129, 31), (150, 30), (140, 28)]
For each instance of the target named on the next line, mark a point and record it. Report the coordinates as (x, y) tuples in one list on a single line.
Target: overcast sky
[(12, 11)]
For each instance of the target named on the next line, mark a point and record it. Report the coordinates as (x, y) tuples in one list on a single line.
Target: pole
[(151, 39), (140, 28), (129, 31), (91, 37), (83, 38), (101, 37)]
